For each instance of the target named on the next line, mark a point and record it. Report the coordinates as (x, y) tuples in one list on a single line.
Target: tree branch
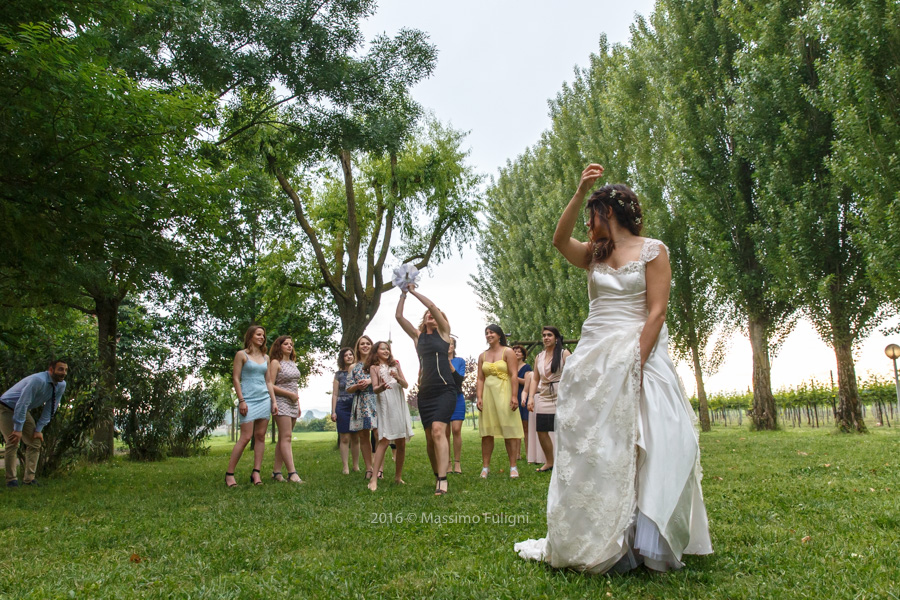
[(307, 229), (354, 278)]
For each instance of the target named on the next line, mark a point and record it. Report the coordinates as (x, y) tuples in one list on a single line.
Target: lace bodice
[(629, 282)]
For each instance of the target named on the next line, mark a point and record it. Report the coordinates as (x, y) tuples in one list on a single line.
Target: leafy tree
[(859, 86), (697, 49), (423, 193), (254, 271), (523, 282), (820, 215), (100, 172)]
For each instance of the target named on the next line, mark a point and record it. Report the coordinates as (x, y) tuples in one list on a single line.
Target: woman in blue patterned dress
[(255, 404), (363, 414), (341, 404)]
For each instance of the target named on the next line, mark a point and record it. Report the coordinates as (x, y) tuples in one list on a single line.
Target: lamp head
[(892, 351)]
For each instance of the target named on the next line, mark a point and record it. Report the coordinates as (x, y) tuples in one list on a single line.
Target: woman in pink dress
[(548, 367)]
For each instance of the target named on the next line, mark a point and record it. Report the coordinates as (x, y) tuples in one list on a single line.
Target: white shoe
[(514, 472), (484, 472)]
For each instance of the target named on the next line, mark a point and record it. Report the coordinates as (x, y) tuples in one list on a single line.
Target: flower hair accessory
[(405, 275)]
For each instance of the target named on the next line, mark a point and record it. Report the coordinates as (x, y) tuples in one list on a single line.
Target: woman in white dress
[(394, 420), (625, 488)]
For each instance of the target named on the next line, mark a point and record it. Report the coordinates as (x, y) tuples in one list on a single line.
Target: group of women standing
[(265, 384), (508, 390)]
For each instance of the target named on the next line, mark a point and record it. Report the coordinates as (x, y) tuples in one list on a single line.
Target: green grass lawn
[(793, 514)]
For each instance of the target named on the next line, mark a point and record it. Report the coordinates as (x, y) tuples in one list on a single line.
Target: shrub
[(200, 414), (149, 409)]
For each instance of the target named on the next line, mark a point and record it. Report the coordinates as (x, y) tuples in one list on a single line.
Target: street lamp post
[(893, 352)]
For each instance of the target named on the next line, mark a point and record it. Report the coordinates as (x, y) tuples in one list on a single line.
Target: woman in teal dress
[(255, 404)]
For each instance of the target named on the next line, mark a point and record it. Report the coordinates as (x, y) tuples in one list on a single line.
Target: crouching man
[(16, 423)]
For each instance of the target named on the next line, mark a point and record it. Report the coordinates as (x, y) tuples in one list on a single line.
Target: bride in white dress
[(625, 488)]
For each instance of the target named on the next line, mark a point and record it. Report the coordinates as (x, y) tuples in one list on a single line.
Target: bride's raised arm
[(577, 253)]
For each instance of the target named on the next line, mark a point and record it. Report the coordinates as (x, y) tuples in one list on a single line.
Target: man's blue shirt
[(33, 391)]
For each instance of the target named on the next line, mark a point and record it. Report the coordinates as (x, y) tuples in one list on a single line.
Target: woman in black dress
[(437, 389)]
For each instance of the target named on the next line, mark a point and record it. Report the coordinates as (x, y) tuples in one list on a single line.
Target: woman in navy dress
[(523, 405), (341, 403)]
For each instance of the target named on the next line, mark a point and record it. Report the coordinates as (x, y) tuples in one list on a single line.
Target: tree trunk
[(107, 327), (354, 320), (701, 390), (763, 413), (849, 414)]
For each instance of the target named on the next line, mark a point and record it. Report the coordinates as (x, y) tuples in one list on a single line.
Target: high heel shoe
[(231, 485), (439, 489), (299, 480), (251, 477), (277, 476)]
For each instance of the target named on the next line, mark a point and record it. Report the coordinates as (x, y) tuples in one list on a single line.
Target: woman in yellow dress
[(497, 394)]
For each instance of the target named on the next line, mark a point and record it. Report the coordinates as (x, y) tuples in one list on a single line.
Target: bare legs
[(283, 451), (487, 449), (252, 429), (513, 446), (349, 444), (525, 429), (455, 428), (547, 447), (362, 437), (381, 452), (438, 451)]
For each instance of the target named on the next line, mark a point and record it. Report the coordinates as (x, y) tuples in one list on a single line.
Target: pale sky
[(499, 62)]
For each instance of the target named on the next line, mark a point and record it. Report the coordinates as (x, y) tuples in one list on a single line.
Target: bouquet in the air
[(405, 275)]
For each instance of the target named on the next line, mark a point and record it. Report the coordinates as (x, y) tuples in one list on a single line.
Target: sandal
[(299, 480), (251, 477), (368, 474), (439, 489), (381, 474), (231, 485), (276, 475), (514, 472), (484, 472), (543, 470), (458, 470)]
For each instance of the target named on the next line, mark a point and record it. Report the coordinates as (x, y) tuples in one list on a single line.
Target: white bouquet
[(405, 275)]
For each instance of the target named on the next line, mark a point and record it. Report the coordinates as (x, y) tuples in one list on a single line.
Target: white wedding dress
[(625, 487)]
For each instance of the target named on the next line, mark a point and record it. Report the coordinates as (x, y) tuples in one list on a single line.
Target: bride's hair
[(626, 209)]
